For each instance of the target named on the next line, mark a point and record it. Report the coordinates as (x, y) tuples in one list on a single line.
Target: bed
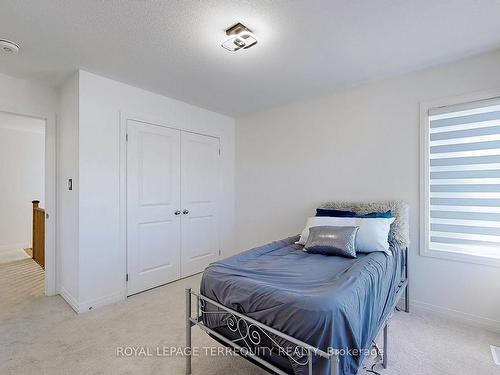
[(291, 312)]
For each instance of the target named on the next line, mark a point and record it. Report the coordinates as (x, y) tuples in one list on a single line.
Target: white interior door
[(153, 204), (200, 187)]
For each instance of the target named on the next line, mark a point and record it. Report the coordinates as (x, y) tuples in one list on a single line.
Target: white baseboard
[(89, 305), (106, 300), (14, 247), (69, 299), (469, 319)]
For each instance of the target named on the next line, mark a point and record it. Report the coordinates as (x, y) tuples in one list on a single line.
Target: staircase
[(38, 234)]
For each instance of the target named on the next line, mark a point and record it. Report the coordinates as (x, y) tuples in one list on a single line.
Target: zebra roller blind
[(464, 178)]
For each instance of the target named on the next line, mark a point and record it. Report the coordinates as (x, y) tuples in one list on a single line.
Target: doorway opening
[(22, 202)]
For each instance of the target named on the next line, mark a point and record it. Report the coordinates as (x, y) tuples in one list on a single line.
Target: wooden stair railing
[(38, 234)]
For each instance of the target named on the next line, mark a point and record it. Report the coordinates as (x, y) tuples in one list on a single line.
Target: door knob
[(185, 212), (177, 212)]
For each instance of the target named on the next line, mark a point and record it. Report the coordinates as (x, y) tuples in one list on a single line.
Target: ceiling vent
[(8, 47)]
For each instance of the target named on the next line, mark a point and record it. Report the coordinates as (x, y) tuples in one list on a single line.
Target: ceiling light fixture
[(238, 37), (9, 47)]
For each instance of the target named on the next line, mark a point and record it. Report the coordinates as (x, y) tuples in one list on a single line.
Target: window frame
[(425, 183)]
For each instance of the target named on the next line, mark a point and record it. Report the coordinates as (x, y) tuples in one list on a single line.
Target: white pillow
[(372, 235)]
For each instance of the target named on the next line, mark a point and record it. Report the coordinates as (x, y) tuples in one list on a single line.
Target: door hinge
[(126, 277), (126, 137)]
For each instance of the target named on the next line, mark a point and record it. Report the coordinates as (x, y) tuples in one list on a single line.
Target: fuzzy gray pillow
[(399, 232)]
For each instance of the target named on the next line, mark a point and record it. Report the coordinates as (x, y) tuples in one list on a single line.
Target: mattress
[(325, 301)]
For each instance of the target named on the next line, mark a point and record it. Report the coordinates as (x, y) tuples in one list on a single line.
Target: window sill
[(461, 257)]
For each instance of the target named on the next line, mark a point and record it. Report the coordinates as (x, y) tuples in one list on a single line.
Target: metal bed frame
[(250, 333)]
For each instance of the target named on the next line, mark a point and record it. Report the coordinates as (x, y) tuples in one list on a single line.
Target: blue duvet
[(325, 301)]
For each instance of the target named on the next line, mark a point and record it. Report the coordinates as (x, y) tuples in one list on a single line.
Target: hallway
[(21, 281)]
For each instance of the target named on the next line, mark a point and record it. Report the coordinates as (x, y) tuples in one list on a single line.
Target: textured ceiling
[(306, 48)]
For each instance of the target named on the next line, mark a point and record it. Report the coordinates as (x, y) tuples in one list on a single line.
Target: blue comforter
[(325, 301)]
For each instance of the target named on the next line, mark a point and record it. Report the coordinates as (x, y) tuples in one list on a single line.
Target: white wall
[(22, 156), (361, 144), (102, 256), (68, 272), (22, 96)]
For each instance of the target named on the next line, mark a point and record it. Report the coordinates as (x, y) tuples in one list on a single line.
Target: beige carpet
[(42, 335), (7, 256)]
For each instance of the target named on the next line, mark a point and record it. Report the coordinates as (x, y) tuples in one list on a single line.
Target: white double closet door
[(172, 190)]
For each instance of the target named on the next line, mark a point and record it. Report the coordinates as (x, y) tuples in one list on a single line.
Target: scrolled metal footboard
[(250, 333)]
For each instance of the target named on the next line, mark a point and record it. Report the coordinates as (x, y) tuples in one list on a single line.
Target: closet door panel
[(199, 191), (153, 197)]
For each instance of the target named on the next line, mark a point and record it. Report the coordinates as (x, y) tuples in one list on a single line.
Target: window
[(461, 181)]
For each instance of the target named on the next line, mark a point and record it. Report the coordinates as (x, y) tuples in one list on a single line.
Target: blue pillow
[(385, 215), (334, 213), (341, 213)]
